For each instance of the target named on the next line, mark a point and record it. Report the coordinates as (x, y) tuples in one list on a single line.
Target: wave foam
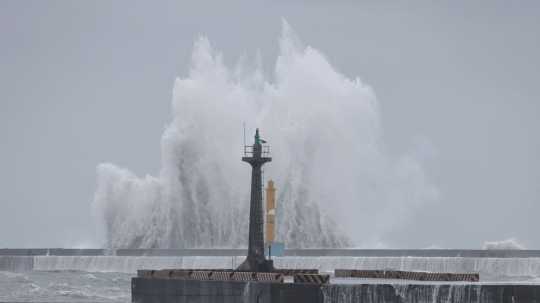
[(30, 291), (508, 244), (90, 277), (14, 276)]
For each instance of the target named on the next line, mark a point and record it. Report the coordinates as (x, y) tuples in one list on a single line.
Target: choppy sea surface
[(64, 286)]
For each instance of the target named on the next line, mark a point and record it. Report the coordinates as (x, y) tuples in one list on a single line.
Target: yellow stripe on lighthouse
[(270, 211)]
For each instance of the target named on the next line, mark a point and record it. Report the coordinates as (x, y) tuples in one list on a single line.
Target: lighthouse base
[(252, 264)]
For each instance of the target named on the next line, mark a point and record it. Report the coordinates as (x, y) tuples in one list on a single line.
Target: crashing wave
[(329, 165)]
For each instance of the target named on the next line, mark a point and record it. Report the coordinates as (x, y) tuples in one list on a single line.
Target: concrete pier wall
[(431, 293), (12, 263), (199, 291), (503, 267)]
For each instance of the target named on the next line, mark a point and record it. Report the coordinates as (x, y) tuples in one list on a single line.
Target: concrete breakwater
[(127, 264), (200, 291), (176, 290), (430, 293)]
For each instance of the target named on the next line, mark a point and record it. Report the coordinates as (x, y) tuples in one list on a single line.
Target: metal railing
[(265, 150)]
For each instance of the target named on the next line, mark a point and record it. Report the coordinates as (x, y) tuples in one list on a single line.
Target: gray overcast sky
[(85, 82)]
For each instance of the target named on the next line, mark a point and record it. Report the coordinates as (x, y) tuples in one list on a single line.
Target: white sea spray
[(337, 185)]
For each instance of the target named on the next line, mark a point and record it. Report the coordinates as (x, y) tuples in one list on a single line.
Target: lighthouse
[(256, 156)]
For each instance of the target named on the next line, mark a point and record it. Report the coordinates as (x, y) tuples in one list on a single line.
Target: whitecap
[(14, 276), (91, 277)]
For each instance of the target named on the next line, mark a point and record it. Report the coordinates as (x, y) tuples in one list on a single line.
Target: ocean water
[(64, 286)]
